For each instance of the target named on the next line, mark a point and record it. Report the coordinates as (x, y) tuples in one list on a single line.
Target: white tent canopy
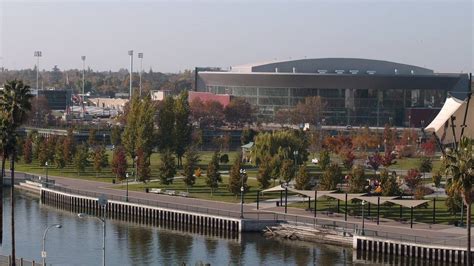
[(311, 193), (274, 189), (442, 124)]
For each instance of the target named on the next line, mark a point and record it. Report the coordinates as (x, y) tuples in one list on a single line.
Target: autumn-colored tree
[(429, 147), (92, 134), (388, 182), (388, 158), (119, 163), (302, 180), (238, 111), (425, 164), (100, 159), (27, 150), (413, 178), (374, 161), (389, 137), (348, 158), (59, 160)]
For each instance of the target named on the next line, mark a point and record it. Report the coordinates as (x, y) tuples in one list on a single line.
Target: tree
[(429, 147), (116, 135), (130, 134), (425, 165), (309, 111), (284, 143), (145, 126), (190, 165), (238, 111), (388, 182), (224, 158), (454, 201), (332, 176), (92, 134), (436, 177), (247, 136), (14, 106), (375, 161), (183, 127), (213, 176), (119, 163), (348, 158), (166, 125), (264, 173), (324, 160), (460, 165), (59, 160), (143, 166), (388, 158), (100, 159), (287, 171), (275, 166), (81, 159), (413, 179), (302, 180), (357, 181), (167, 168), (236, 178), (69, 146), (27, 150)]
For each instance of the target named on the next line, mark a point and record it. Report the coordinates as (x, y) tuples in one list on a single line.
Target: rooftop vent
[(322, 71), (371, 72), (354, 71), (340, 71)]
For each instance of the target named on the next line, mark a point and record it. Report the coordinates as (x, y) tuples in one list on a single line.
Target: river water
[(79, 242)]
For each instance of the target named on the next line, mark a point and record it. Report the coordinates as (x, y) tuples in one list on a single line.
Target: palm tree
[(5, 147), (460, 165), (14, 105)]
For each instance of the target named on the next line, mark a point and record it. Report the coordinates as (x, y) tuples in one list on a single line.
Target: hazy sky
[(178, 35)]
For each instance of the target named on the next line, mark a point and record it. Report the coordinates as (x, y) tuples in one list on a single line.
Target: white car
[(315, 160)]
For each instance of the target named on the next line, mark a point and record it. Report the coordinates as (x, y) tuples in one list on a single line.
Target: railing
[(454, 242), (6, 260), (153, 203)]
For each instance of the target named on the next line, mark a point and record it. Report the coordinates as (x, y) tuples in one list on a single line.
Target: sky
[(179, 35)]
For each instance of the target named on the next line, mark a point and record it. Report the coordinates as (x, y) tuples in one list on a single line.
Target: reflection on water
[(79, 242)]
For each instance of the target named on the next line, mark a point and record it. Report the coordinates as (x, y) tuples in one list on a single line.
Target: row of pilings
[(143, 214), (395, 251)]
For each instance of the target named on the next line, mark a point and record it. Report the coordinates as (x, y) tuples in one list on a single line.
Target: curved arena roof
[(334, 65)]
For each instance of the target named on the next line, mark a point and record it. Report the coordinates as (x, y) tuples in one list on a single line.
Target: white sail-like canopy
[(442, 124)]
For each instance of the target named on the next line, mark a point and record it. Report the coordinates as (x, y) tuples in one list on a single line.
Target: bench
[(156, 190), (184, 194), (171, 192)]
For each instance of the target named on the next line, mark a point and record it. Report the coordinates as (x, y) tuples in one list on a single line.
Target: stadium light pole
[(37, 54), (140, 55), (83, 58), (130, 53)]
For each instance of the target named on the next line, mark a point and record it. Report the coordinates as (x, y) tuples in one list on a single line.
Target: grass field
[(420, 214)]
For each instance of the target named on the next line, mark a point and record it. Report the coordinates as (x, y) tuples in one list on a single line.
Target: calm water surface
[(79, 242)]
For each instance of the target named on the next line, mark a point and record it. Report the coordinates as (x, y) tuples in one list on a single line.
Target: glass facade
[(343, 106)]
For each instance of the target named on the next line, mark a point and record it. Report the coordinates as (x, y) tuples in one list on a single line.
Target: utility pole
[(140, 55), (83, 58)]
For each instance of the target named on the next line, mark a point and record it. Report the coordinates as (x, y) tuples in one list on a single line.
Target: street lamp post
[(126, 195), (46, 165), (363, 220), (43, 252), (286, 197), (83, 215), (130, 53), (242, 176), (140, 55)]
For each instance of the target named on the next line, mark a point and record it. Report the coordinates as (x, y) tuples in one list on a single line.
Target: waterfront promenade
[(420, 233)]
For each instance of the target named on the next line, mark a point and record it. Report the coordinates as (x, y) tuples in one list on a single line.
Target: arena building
[(356, 91)]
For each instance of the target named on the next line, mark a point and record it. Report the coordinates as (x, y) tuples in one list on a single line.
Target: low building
[(159, 95)]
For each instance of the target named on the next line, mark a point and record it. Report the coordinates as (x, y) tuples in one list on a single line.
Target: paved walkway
[(425, 233)]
